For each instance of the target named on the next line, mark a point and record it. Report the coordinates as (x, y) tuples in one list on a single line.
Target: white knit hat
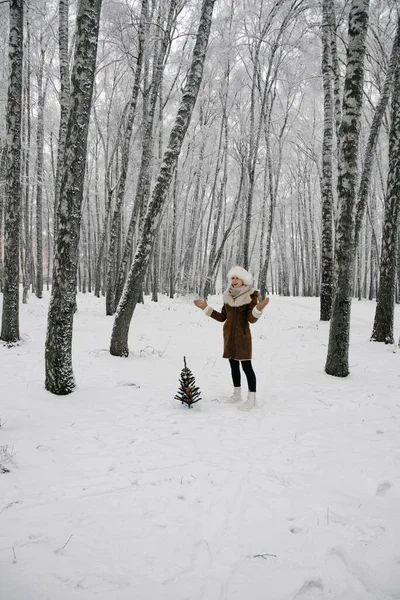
[(242, 274)]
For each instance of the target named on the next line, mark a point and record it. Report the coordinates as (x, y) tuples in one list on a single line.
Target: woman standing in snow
[(241, 307)]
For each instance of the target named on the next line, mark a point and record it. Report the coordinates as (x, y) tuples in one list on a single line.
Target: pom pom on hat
[(242, 274)]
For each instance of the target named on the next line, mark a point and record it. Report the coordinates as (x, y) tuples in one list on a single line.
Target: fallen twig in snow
[(9, 505), (62, 547), (264, 555)]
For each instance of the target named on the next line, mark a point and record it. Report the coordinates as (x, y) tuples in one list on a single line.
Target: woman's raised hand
[(262, 304), (200, 303)]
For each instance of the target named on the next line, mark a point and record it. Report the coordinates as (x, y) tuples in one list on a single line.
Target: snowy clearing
[(117, 491)]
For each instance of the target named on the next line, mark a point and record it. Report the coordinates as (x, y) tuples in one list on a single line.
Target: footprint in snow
[(127, 383), (202, 557), (296, 529), (383, 488), (310, 590)]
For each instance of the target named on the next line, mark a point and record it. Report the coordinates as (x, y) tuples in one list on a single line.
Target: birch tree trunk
[(327, 177), (127, 304), (273, 188), (3, 155), (110, 294), (58, 350), (144, 177), (337, 92), (10, 314), (26, 255), (384, 314), (64, 99), (374, 134), (337, 362), (39, 174), (173, 237)]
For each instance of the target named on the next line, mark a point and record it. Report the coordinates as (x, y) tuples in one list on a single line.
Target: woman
[(241, 307)]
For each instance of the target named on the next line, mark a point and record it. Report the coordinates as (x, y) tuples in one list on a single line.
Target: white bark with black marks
[(337, 362), (58, 351), (374, 134), (12, 215), (39, 173), (384, 314), (327, 169), (64, 97), (127, 304)]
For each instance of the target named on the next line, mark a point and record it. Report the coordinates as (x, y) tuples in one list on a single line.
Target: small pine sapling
[(188, 393)]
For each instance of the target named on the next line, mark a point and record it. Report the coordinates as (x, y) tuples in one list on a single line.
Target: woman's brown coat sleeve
[(219, 316)]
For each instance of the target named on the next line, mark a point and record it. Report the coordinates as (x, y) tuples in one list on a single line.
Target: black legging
[(247, 368)]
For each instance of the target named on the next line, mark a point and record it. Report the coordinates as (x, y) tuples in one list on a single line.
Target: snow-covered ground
[(119, 492)]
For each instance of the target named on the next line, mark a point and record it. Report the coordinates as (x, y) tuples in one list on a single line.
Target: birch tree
[(384, 314), (339, 333), (121, 185), (10, 315), (39, 172), (127, 304), (26, 253), (3, 155), (327, 160), (374, 134), (143, 182), (58, 350), (63, 61)]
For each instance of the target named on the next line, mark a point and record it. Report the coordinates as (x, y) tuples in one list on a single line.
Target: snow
[(118, 491)]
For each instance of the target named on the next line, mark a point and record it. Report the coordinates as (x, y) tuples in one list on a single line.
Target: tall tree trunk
[(337, 92), (64, 101), (327, 177), (173, 237), (196, 206), (89, 244), (144, 178), (337, 362), (155, 280), (110, 294), (384, 315), (3, 157), (119, 338), (10, 314), (398, 269), (273, 191), (103, 238), (58, 350), (314, 251), (49, 238), (39, 175), (26, 262), (374, 134)]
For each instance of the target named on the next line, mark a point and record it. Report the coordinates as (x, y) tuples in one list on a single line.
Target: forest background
[(259, 178)]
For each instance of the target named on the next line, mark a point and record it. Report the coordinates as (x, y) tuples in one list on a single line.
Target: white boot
[(250, 402), (236, 396)]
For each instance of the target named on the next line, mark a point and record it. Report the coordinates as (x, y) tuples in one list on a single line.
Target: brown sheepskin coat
[(236, 314)]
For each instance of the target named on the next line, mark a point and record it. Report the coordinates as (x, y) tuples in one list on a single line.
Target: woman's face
[(236, 282)]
